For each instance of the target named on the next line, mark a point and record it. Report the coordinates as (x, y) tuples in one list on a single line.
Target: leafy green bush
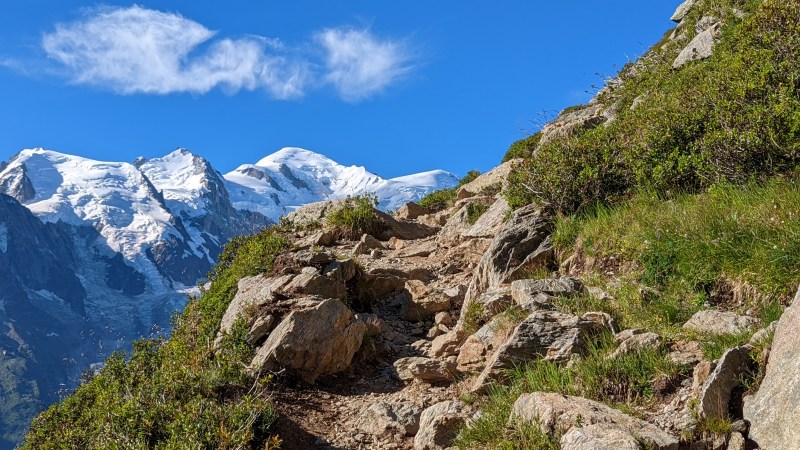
[(522, 148), (177, 393), (445, 198), (475, 211), (356, 217), (733, 117)]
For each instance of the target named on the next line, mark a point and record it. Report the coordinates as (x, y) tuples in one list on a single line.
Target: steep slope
[(42, 310), (291, 177)]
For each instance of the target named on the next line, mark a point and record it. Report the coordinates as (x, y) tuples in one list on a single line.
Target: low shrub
[(356, 216), (523, 148)]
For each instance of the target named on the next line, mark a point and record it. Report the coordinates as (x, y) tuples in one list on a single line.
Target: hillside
[(627, 278), (118, 246)]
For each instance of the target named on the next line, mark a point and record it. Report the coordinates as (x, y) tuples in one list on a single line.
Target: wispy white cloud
[(137, 50), (359, 64)]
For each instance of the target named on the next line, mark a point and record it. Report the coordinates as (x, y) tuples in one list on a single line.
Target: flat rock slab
[(682, 10), (701, 47), (382, 418), (424, 369), (711, 321), (599, 436), (555, 412), (715, 394), (525, 292), (522, 242)]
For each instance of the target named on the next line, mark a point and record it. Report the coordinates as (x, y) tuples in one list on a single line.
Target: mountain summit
[(291, 177)]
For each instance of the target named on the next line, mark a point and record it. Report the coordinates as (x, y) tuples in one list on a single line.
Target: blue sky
[(398, 87)]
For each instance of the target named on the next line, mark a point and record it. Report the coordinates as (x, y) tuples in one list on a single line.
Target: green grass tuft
[(475, 211), (734, 247), (356, 216)]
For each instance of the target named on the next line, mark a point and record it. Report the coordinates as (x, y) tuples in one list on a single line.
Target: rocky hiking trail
[(390, 341)]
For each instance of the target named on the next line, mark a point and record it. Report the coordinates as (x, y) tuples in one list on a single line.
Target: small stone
[(444, 318)]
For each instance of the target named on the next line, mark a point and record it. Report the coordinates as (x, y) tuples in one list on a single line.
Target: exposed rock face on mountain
[(96, 254), (42, 306)]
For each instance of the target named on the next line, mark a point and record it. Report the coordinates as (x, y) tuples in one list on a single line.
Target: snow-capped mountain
[(95, 254), (292, 177)]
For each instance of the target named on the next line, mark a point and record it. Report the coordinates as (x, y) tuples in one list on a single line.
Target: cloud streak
[(359, 65), (142, 51)]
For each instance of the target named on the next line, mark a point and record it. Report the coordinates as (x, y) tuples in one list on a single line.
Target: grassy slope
[(734, 116), (178, 393), (690, 200)]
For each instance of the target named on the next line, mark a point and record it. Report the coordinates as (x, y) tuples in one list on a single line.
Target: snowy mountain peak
[(296, 157), (293, 176)]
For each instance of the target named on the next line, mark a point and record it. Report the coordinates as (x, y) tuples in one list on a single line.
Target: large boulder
[(554, 412), (713, 322), (573, 121), (474, 352), (320, 337), (458, 225), (379, 285), (682, 10), (523, 242), (315, 214), (701, 47), (439, 425), (422, 308), (311, 283), (774, 411), (252, 293), (548, 335), (366, 244), (411, 211), (495, 300), (423, 369), (489, 181), (490, 222), (524, 290)]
